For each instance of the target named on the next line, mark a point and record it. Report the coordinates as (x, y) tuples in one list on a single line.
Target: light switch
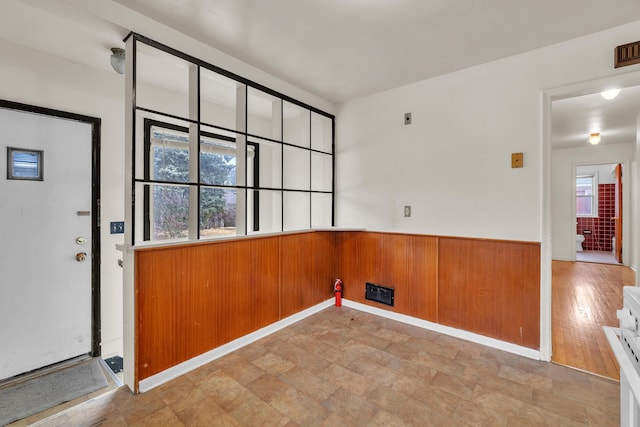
[(517, 160)]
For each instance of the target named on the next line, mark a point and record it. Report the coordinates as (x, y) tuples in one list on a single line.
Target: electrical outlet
[(407, 211), (407, 118), (117, 227)]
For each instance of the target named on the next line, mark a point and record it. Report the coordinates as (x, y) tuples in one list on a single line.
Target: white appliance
[(625, 343)]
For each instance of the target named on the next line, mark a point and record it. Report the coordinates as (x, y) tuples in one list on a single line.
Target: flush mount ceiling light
[(117, 59), (594, 138), (610, 94)]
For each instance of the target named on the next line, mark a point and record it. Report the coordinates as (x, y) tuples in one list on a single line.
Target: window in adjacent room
[(586, 195)]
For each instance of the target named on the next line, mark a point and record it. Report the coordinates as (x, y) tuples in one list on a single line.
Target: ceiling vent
[(627, 54)]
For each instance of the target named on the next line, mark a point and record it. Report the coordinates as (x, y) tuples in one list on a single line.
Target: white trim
[(447, 330), (191, 364), (626, 366)]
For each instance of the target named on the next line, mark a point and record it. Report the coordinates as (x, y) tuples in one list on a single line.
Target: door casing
[(95, 123)]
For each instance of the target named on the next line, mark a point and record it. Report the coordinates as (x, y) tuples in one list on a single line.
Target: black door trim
[(95, 122)]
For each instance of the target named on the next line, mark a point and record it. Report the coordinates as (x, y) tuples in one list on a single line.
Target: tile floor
[(342, 367), (601, 257)]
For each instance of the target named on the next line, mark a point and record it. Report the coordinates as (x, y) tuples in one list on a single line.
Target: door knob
[(81, 256)]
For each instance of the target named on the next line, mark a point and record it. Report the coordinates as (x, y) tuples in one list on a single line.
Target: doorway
[(598, 214), (49, 237), (583, 296)]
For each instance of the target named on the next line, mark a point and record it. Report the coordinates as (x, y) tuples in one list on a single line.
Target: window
[(24, 164), (167, 165), (216, 155), (586, 196)]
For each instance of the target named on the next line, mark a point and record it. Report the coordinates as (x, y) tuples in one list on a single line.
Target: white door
[(45, 292)]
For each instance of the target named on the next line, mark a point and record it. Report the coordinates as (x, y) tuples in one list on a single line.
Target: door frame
[(546, 97), (95, 122), (624, 225)]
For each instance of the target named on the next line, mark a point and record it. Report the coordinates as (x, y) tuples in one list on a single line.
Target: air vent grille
[(627, 54), (379, 294)]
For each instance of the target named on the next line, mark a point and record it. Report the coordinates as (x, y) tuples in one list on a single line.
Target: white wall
[(635, 205), (40, 79), (33, 77), (563, 164), (453, 163)]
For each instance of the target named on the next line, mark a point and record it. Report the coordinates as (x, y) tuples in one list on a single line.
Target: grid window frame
[(250, 168)]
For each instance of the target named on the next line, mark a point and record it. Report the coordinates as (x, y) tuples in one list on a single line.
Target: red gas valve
[(337, 288)]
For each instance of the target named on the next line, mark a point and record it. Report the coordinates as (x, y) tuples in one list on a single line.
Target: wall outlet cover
[(117, 227)]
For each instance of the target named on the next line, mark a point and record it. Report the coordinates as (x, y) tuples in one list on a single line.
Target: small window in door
[(24, 164)]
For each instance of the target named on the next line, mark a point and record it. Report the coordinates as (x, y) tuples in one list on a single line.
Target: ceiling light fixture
[(594, 138), (610, 94), (117, 59)]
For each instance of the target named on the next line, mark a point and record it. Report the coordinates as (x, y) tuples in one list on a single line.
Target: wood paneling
[(406, 263), (491, 287), (193, 298), (307, 270)]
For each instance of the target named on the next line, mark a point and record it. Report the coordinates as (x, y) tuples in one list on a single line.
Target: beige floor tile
[(341, 367)]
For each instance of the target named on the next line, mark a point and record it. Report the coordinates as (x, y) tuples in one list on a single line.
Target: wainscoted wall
[(603, 227), (490, 287), (193, 298)]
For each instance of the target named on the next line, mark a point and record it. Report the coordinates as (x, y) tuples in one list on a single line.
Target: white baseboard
[(447, 330), (191, 364)]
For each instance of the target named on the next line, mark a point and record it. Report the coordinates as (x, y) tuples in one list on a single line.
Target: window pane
[(217, 161), (584, 186), (169, 155), (296, 215), (296, 122), (321, 205), (218, 98), (321, 172), (585, 195), (168, 211), (218, 212), (267, 205), (263, 114), (296, 168), (162, 81), (584, 206), (321, 133), (268, 157)]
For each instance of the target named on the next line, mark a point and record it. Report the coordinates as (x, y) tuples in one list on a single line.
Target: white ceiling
[(344, 49), (573, 119)]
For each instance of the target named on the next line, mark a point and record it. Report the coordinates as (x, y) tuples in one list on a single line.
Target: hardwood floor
[(585, 298), (342, 367)]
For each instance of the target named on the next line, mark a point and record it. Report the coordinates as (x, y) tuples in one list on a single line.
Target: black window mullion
[(133, 143), (198, 180), (147, 182), (310, 176), (333, 173), (282, 165)]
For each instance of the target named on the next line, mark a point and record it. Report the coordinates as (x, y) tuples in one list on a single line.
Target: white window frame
[(594, 196)]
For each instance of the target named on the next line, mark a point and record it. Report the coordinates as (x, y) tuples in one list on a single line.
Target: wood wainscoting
[(490, 287), (407, 263), (192, 298)]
